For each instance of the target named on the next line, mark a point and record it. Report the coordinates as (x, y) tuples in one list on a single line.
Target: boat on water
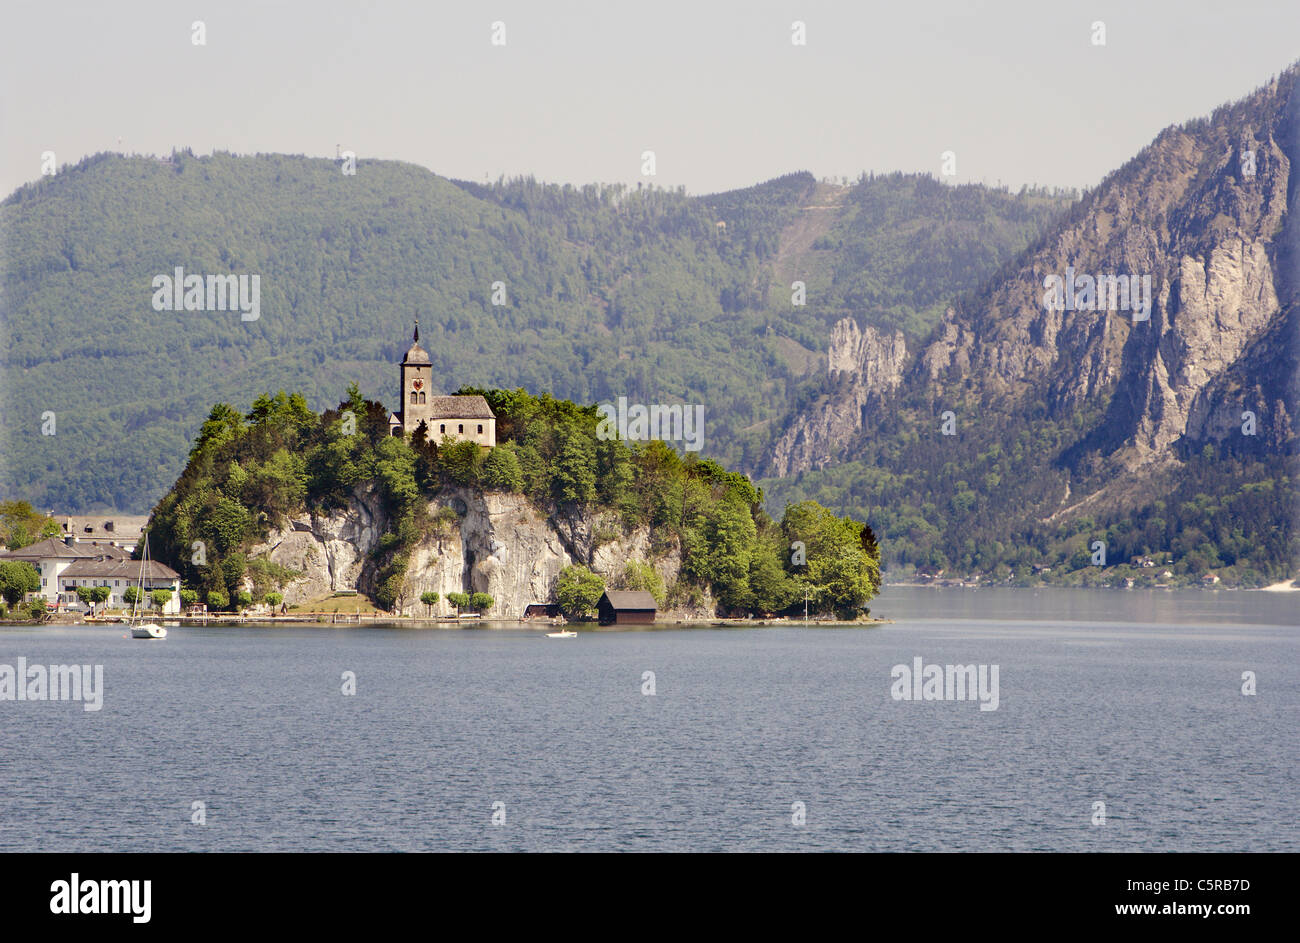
[(139, 628), (562, 633)]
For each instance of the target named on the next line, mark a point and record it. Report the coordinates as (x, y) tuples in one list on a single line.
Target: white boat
[(562, 633), (143, 629)]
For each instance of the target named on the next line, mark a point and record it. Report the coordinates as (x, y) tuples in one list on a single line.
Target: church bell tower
[(417, 384)]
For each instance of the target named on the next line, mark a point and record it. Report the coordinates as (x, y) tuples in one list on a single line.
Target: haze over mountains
[(922, 301)]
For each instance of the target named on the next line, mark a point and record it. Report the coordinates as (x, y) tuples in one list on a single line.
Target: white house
[(118, 574), (63, 568)]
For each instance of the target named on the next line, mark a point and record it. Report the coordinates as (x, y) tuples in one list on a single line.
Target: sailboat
[(143, 629)]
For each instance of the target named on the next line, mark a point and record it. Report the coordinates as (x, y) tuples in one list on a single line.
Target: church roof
[(415, 355), (459, 407)]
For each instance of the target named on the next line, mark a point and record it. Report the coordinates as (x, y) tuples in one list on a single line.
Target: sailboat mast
[(139, 586)]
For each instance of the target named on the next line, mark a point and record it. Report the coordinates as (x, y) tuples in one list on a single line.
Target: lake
[(1132, 699)]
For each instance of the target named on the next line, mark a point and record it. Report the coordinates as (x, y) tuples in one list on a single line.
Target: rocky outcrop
[(332, 551), (1199, 213), (500, 545), (865, 366), (1207, 214), (488, 542)]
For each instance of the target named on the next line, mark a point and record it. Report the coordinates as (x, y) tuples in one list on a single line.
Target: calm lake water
[(1133, 699)]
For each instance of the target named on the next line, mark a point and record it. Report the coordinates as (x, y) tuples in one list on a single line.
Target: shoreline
[(386, 621)]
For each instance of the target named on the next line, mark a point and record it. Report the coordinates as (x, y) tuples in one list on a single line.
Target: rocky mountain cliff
[(1157, 319), (867, 367), (499, 544), (1204, 213)]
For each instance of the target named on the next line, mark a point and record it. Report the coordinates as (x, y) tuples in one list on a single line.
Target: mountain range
[(888, 347)]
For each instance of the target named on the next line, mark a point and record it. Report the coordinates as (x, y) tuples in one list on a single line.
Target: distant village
[(96, 551)]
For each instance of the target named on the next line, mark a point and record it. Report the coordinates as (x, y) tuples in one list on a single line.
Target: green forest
[(247, 472), (959, 505), (608, 291)]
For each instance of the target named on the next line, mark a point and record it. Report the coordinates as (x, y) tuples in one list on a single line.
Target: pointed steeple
[(415, 354)]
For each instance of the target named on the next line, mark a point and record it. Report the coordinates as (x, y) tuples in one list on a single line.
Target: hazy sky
[(717, 90)]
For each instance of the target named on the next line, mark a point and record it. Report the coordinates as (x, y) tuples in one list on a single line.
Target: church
[(458, 417)]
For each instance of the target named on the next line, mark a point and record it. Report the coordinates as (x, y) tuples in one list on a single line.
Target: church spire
[(416, 339)]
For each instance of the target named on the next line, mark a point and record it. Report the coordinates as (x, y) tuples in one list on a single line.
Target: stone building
[(454, 417)]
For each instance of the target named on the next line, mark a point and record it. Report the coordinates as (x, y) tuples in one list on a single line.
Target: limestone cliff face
[(332, 550), (496, 543), (1199, 211), (1207, 213), (866, 366), (501, 546)]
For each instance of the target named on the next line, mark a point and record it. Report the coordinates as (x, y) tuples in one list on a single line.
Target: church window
[(415, 397), (422, 396), (442, 429), (480, 428), (460, 428)]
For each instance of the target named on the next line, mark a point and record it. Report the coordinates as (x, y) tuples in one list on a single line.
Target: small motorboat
[(562, 633)]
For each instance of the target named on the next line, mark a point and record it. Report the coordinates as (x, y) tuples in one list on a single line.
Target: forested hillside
[(608, 291)]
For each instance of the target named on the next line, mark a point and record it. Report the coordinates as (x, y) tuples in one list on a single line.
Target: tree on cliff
[(641, 576), (501, 470)]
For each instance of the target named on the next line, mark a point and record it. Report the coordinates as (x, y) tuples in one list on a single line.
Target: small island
[(492, 502)]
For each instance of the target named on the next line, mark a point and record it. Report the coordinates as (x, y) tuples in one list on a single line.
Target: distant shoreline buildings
[(95, 551)]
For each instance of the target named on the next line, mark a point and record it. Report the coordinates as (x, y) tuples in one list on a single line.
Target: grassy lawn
[(350, 605)]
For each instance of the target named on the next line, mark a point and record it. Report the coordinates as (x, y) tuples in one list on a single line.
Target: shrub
[(577, 590)]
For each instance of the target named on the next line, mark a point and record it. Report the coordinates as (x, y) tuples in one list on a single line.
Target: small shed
[(627, 608), (541, 610)]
